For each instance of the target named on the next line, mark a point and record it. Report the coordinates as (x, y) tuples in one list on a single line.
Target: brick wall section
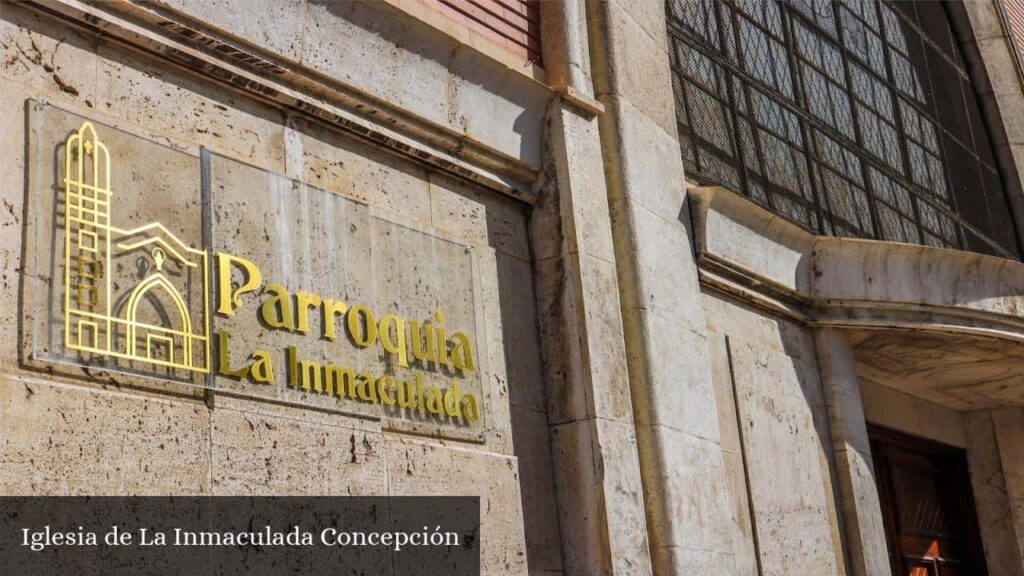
[(514, 24)]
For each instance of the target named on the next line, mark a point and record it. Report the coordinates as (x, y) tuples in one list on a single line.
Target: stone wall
[(68, 435), (775, 440)]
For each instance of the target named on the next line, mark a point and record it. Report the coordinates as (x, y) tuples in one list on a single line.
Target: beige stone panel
[(862, 511), (428, 469), (888, 407), (512, 330), (995, 517), (598, 474), (985, 20), (604, 354), (940, 423), (665, 281), (1008, 424), (582, 193), (380, 50), (45, 56), (339, 163), (537, 483), (62, 439), (745, 552), (12, 215), (148, 92), (273, 25), (725, 402), (259, 454), (649, 159), (677, 384), (696, 497), (999, 66), (786, 445), (478, 217), (502, 343), (636, 66), (741, 322), (650, 16)]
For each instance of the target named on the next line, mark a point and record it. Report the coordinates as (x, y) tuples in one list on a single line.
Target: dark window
[(849, 118)]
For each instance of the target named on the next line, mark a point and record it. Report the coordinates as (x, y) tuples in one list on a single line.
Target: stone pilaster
[(590, 417), (684, 480), (991, 499), (862, 512)]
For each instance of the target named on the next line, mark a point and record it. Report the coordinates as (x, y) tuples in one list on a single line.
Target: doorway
[(927, 506)]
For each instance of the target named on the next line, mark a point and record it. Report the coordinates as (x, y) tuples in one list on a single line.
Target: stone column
[(1008, 426), (590, 417), (991, 496), (685, 485), (865, 533)]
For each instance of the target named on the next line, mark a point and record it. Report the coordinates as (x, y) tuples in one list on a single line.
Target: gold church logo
[(125, 291)]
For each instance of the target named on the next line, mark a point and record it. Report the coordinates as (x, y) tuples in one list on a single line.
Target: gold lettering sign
[(101, 318), (142, 298)]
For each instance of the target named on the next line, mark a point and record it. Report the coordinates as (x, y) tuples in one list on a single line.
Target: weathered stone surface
[(582, 192), (354, 169), (999, 532), (259, 454), (634, 65), (270, 24), (46, 58), (66, 439), (787, 447), (663, 283), (145, 91), (654, 186), (695, 495), (384, 52), (537, 483), (678, 399), (891, 408), (598, 477), (743, 322), (430, 469)]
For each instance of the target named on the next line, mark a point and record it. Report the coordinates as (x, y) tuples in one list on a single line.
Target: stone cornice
[(297, 89), (757, 257)]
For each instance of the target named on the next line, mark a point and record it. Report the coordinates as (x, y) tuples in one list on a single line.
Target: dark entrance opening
[(927, 506)]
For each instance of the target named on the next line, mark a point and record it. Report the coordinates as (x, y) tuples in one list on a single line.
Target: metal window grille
[(847, 117)]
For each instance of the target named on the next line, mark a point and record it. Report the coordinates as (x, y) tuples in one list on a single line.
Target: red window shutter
[(514, 24)]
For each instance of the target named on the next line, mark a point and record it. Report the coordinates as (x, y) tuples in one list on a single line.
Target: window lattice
[(848, 118)]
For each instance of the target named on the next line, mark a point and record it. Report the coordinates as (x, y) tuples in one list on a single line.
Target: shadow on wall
[(417, 67)]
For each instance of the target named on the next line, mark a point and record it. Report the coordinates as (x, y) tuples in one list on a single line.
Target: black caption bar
[(400, 536)]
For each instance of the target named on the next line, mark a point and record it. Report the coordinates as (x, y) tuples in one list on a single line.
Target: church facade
[(674, 287)]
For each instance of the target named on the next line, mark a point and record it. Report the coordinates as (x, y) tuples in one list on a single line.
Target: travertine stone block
[(598, 475), (696, 498), (357, 170), (273, 25), (430, 469), (145, 91), (634, 64), (787, 452), (745, 323), (652, 173), (537, 482), (380, 50), (259, 454), (678, 386), (46, 57), (999, 532), (665, 282), (582, 191), (64, 439)]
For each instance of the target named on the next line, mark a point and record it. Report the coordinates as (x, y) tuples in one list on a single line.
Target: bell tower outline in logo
[(98, 321)]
